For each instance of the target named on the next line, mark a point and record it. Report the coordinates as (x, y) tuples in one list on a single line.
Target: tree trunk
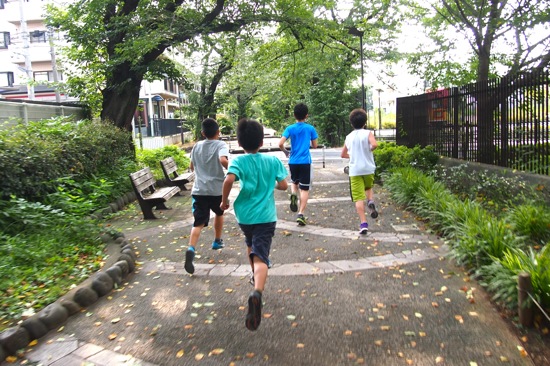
[(121, 97)]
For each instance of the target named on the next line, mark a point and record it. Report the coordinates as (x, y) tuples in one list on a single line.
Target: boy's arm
[(191, 167), (224, 161), (314, 143), (226, 189), (281, 185), (344, 153), (282, 146), (372, 141)]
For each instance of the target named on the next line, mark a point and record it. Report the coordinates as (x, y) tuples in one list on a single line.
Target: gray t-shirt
[(209, 174)]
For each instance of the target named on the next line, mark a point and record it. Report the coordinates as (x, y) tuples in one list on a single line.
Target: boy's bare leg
[(218, 226), (370, 194), (304, 196), (195, 234), (260, 274), (360, 207)]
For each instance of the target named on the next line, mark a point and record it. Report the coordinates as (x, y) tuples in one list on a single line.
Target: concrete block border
[(120, 262)]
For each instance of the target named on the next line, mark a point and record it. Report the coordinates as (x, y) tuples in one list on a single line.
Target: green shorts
[(358, 185)]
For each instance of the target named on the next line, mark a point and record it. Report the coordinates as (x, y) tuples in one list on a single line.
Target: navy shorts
[(258, 237), (301, 174), (202, 206)]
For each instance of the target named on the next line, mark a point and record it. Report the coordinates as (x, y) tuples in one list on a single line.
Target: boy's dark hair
[(209, 126), (250, 134), (300, 111), (358, 118)]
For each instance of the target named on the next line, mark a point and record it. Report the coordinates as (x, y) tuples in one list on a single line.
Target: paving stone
[(52, 351), (87, 350)]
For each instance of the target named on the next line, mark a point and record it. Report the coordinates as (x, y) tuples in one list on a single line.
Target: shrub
[(493, 247), (390, 156), (151, 158), (494, 191), (501, 276), (531, 221), (34, 156)]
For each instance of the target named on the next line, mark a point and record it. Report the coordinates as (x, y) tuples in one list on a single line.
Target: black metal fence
[(503, 122), (162, 127)]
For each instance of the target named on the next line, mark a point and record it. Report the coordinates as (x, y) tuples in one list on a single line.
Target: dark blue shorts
[(259, 237), (301, 174), (202, 206)]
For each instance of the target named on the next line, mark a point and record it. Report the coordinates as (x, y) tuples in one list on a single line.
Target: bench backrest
[(143, 180), (169, 166)]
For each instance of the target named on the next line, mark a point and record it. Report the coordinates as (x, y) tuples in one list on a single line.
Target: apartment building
[(31, 67)]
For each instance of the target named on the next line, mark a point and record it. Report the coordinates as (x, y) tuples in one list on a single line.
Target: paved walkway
[(333, 297)]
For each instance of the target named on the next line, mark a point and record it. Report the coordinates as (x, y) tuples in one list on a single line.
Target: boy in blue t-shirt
[(302, 136), (255, 210)]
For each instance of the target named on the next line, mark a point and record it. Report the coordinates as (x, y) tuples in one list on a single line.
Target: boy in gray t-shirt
[(208, 158)]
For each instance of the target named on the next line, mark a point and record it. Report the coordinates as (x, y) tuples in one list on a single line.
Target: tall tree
[(122, 40), (504, 36)]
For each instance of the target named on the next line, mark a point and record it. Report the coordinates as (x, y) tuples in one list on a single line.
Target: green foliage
[(493, 247), (531, 220), (444, 61), (389, 156), (43, 251), (34, 156), (151, 158), (494, 191), (57, 173), (501, 276)]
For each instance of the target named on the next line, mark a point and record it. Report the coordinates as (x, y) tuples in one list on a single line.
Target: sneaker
[(301, 220), (372, 208), (218, 244), (363, 228), (254, 316), (189, 256), (251, 279), (293, 203), (269, 264)]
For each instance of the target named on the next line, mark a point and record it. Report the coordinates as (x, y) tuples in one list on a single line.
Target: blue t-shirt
[(300, 134), (257, 174)]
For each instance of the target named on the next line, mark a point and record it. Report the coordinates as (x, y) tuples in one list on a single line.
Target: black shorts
[(301, 174), (202, 206), (258, 237)]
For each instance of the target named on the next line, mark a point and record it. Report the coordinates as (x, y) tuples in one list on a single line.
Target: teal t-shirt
[(257, 174)]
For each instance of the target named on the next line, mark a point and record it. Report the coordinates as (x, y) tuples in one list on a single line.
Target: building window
[(6, 78), (46, 76), (4, 39), (37, 36)]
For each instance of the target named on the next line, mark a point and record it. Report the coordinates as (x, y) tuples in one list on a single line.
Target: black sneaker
[(254, 316), (293, 203), (301, 220), (189, 256), (372, 207)]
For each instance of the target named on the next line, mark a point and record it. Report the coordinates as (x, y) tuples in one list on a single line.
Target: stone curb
[(87, 293)]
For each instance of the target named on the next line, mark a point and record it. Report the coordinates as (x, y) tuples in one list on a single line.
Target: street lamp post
[(379, 110), (356, 32)]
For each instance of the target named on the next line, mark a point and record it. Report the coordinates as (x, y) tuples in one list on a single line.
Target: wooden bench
[(148, 195), (170, 170)]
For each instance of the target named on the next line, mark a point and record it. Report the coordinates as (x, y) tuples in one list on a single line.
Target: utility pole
[(28, 65), (54, 65), (379, 110)]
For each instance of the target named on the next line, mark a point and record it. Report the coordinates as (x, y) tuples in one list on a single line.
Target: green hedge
[(33, 156)]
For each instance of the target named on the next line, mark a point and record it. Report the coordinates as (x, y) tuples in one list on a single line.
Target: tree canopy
[(504, 38)]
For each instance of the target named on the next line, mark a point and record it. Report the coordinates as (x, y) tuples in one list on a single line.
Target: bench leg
[(162, 206), (147, 211)]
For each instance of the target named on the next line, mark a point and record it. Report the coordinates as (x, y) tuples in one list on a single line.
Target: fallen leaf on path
[(215, 352), (180, 353), (112, 336), (300, 345)]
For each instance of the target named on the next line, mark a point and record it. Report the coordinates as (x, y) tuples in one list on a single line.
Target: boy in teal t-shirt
[(255, 210)]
